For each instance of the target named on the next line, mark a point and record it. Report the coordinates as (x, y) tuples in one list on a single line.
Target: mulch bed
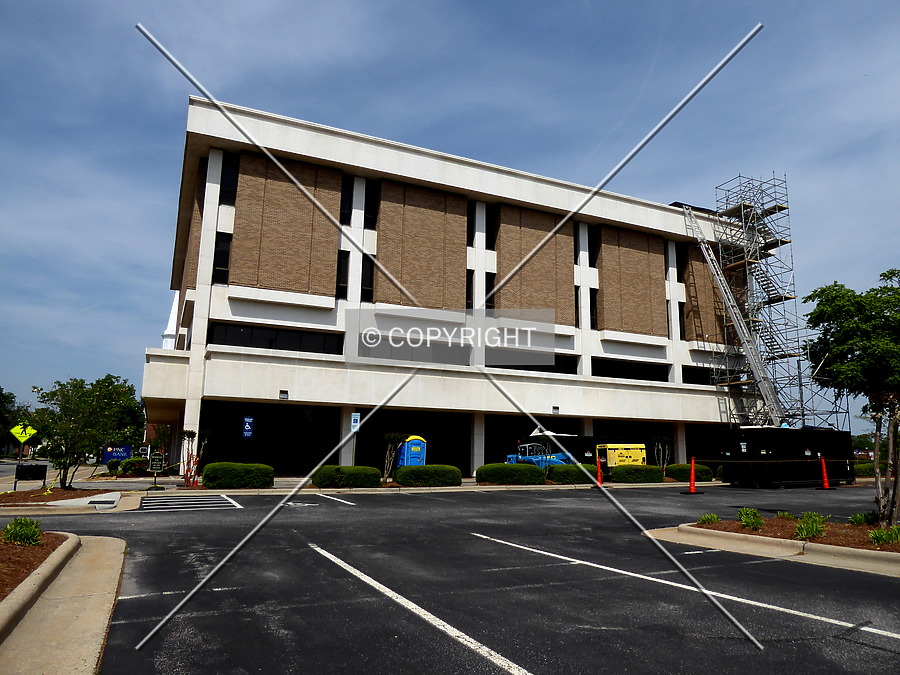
[(17, 562), (836, 534), (21, 497)]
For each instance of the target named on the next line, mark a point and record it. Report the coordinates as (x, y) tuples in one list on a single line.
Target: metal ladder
[(766, 388)]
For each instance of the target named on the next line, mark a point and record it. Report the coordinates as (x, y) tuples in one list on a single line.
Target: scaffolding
[(756, 259)]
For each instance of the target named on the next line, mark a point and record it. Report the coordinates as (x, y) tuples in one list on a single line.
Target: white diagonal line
[(275, 510), (625, 160), (470, 642), (246, 134), (675, 584), (625, 512)]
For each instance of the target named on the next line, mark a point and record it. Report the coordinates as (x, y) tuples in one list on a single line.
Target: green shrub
[(810, 525), (230, 475), (889, 535), (682, 472), (786, 515), (719, 471), (867, 470), (570, 474), (113, 465), (136, 466), (22, 532), (430, 475), (867, 518), (333, 476), (750, 518), (708, 518), (636, 473), (510, 474)]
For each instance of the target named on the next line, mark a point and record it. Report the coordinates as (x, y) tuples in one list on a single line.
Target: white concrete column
[(586, 278), (678, 352), (481, 261), (347, 454), (357, 232), (477, 441), (197, 363), (680, 444)]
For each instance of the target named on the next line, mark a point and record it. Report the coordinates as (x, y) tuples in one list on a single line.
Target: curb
[(861, 560), (15, 605)]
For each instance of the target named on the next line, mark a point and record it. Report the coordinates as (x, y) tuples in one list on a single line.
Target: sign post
[(157, 464), (23, 432), (354, 422)]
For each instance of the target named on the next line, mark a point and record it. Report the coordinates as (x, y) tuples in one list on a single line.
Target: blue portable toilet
[(412, 452)]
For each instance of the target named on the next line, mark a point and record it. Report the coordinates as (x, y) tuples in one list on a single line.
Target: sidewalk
[(65, 629)]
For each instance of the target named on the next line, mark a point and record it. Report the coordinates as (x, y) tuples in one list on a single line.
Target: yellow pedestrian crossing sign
[(23, 432)]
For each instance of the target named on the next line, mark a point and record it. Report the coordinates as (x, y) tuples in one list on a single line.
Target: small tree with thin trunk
[(858, 352)]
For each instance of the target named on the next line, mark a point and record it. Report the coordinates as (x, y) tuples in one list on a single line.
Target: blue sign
[(121, 453), (354, 422), (248, 427)]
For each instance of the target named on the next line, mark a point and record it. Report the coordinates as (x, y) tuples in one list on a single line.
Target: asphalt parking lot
[(484, 582)]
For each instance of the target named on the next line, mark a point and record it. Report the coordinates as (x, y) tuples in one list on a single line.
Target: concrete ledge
[(844, 557), (15, 605)]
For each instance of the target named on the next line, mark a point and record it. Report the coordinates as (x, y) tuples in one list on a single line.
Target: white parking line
[(342, 501), (443, 626), (693, 589)]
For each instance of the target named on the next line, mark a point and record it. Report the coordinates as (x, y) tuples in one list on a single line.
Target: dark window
[(343, 274), (231, 162), (470, 288), (221, 258), (347, 182), (367, 291), (594, 245), (681, 322), (470, 223), (267, 337), (629, 370), (696, 375), (681, 261), (595, 324), (373, 203), (492, 226), (490, 278), (565, 364), (577, 307), (576, 239)]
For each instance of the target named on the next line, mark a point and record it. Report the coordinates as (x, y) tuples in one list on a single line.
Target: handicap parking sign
[(248, 427)]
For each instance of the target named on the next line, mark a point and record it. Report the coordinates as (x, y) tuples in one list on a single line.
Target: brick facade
[(280, 241), (422, 243), (632, 296), (703, 312), (547, 281)]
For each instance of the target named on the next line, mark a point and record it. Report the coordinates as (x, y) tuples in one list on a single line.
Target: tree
[(858, 352), (11, 414), (80, 419)]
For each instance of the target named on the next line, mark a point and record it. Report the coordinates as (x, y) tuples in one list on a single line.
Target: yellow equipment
[(623, 453)]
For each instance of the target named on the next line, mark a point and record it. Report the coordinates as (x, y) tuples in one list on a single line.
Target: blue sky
[(92, 128)]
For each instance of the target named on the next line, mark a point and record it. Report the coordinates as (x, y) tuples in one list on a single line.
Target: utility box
[(412, 452), (618, 454)]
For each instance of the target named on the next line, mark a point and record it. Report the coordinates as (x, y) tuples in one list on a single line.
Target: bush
[(431, 475), (867, 518), (886, 536), (786, 515), (334, 476), (750, 518), (570, 474), (810, 525), (867, 470), (113, 465), (682, 472), (22, 532), (708, 518), (636, 473), (136, 466), (510, 474), (720, 471), (230, 475)]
